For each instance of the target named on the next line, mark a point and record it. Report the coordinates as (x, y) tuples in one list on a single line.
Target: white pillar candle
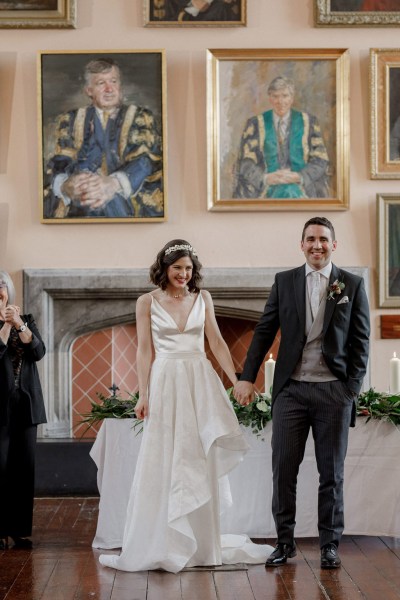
[(394, 385), (269, 374)]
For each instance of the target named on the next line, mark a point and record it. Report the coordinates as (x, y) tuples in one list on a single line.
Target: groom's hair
[(319, 221)]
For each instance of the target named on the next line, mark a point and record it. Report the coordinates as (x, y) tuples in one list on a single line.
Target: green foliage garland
[(371, 404), (256, 414), (379, 405), (111, 407)]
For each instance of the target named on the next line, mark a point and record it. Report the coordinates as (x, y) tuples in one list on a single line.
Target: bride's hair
[(173, 251)]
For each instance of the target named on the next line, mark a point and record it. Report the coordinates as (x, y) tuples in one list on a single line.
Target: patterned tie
[(281, 132), (315, 290), (104, 118)]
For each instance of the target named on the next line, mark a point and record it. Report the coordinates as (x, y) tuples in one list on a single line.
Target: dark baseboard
[(64, 468)]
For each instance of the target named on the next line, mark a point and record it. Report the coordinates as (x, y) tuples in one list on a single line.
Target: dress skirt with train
[(191, 440)]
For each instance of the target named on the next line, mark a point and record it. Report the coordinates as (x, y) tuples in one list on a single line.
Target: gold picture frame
[(246, 171), (385, 113), (40, 14), (102, 136), (182, 13), (388, 226), (356, 13)]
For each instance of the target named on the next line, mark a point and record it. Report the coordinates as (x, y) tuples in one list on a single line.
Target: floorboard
[(63, 566)]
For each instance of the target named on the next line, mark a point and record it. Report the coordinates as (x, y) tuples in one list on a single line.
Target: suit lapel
[(299, 285), (330, 304)]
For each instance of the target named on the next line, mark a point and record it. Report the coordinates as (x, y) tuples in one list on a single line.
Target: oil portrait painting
[(357, 13), (37, 14), (388, 218), (194, 13), (365, 5), (278, 130), (385, 113), (102, 136)]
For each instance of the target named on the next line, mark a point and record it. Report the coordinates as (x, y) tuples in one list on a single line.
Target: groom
[(322, 312)]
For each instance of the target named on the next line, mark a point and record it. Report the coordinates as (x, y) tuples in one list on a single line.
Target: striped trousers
[(325, 409)]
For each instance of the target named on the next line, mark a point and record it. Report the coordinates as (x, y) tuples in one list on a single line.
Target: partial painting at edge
[(185, 11), (30, 5), (365, 5)]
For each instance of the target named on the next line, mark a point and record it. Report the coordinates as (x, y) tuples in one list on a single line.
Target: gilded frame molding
[(63, 17), (384, 77), (388, 248), (235, 78), (61, 92), (154, 15), (324, 16)]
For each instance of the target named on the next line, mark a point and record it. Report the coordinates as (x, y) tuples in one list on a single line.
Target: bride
[(191, 436)]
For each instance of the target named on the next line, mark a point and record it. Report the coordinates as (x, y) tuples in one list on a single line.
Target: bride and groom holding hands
[(192, 439)]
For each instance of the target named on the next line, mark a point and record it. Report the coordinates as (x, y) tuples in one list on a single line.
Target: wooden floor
[(63, 566)]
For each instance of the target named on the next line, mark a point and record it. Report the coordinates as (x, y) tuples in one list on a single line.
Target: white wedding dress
[(191, 440)]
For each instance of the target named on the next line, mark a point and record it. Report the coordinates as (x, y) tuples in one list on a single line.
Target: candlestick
[(394, 385), (269, 374)]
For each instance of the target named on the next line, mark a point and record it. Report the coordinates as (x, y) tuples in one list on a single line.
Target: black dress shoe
[(329, 557), (280, 555), (21, 542)]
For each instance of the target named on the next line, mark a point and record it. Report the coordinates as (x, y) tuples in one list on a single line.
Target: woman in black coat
[(21, 410)]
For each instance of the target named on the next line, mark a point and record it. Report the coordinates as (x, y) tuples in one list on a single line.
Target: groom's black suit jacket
[(345, 337)]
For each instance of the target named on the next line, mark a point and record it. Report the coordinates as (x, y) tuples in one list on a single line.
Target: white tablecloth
[(372, 483)]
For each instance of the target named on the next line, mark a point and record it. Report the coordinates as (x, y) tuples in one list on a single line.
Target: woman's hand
[(12, 315), (142, 408)]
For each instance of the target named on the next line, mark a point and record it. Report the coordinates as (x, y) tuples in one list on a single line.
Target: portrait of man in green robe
[(282, 152)]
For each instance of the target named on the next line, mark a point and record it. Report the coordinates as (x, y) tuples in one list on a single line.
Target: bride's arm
[(217, 343), (144, 353)]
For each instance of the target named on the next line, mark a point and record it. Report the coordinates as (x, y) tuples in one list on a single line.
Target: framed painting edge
[(148, 22), (383, 203), (99, 220), (341, 201), (381, 167), (64, 17), (325, 17)]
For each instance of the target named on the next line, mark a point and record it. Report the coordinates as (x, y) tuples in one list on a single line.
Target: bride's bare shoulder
[(206, 296), (205, 293), (144, 300)]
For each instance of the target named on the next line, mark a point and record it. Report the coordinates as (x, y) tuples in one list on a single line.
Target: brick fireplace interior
[(107, 357)]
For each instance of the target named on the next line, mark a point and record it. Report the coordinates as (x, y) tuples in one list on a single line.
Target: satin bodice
[(168, 338)]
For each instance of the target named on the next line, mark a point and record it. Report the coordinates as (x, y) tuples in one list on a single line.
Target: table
[(372, 483)]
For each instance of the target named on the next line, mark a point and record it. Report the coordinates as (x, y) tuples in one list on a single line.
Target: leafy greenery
[(112, 407), (379, 405), (255, 415), (371, 404)]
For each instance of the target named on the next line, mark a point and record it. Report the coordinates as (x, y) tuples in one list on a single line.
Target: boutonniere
[(335, 289)]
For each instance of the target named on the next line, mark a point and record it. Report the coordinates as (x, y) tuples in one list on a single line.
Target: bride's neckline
[(172, 318), (181, 295)]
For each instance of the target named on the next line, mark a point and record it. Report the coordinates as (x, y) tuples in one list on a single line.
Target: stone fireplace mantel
[(68, 303)]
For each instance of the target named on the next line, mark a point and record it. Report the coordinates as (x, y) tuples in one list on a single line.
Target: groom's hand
[(243, 392)]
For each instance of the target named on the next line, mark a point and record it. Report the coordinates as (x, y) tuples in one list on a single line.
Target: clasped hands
[(282, 176), (243, 392), (12, 315), (91, 189)]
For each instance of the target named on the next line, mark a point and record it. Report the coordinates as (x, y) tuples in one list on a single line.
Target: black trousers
[(326, 409), (17, 470)]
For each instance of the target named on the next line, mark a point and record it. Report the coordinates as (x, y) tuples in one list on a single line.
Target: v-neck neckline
[(172, 318)]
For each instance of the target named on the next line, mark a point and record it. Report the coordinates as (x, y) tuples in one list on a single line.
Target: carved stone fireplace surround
[(68, 303)]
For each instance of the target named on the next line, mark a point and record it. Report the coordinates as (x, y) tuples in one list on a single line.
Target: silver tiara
[(180, 247)]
